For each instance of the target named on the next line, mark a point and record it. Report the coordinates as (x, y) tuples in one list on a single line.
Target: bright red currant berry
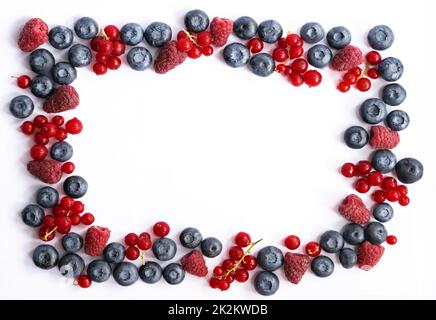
[(214, 283), (392, 195), (373, 73), (350, 78), (105, 46), (59, 211), (132, 253), (282, 43), (312, 78), (195, 52), (280, 54), (27, 127), (375, 178), (58, 121), (99, 68), (236, 253), (39, 121), (102, 58), (280, 68), (118, 48), (241, 275), (389, 183), (373, 58), (296, 79), (404, 201), (204, 38), (61, 134), (207, 51), (95, 43), (228, 264), (292, 242), (249, 262), (391, 239), (181, 34), (294, 40), (242, 239), (41, 139), (343, 87), (112, 32), (49, 221), (403, 190), (49, 130), (223, 284), (78, 207), (299, 65), (255, 45), (46, 234), (218, 271), (67, 202), (143, 244), (356, 70), (379, 196), (363, 84), (348, 170), (63, 224), (184, 44), (363, 167), (75, 219), (84, 281), (362, 185), (296, 52), (130, 239), (74, 126), (161, 229), (24, 82), (87, 219), (288, 71), (144, 235), (38, 152), (313, 249), (113, 63)]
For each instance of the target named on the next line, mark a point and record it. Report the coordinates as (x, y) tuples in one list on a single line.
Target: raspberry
[(354, 210), (384, 138), (347, 58), (169, 57), (33, 34), (48, 171), (95, 240), (221, 29), (368, 255), (194, 263), (64, 98), (296, 265)]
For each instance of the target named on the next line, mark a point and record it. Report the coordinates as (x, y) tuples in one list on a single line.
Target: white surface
[(224, 150)]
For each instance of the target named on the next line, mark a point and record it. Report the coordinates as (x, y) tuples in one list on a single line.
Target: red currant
[(379, 196), (78, 207), (214, 283), (27, 127), (348, 170), (375, 178), (223, 285), (363, 167), (392, 195), (373, 73), (195, 52), (99, 68), (363, 84), (24, 82), (403, 190), (204, 38), (350, 78), (66, 202), (59, 211), (161, 229), (292, 242), (280, 68), (61, 134), (39, 121), (184, 44), (87, 219), (113, 63), (313, 249), (241, 275), (118, 48), (49, 221), (105, 46), (362, 185), (38, 152), (296, 52), (312, 78), (132, 253), (112, 32), (299, 65), (280, 54), (343, 87), (130, 239), (41, 139), (249, 262), (228, 264), (282, 43), (296, 79), (102, 58), (63, 224), (181, 34), (74, 126), (356, 70), (75, 219), (391, 239), (242, 239), (218, 271), (84, 281), (46, 234), (144, 235), (373, 58), (143, 244), (294, 40), (95, 43), (404, 201), (58, 121), (389, 183), (49, 130), (207, 51), (236, 253), (255, 45)]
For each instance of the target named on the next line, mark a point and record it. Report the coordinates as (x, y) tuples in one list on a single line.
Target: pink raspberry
[(221, 29), (95, 240), (384, 138), (48, 171), (64, 98), (296, 266), (354, 210), (347, 58), (169, 57), (194, 263), (33, 34), (368, 255)]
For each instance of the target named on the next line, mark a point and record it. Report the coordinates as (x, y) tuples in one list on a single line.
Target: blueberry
[(47, 197), (60, 37), (394, 94), (71, 265), (126, 273), (375, 233), (33, 215), (41, 61), (99, 270), (409, 170), (383, 212), (270, 258), (114, 252), (383, 160), (79, 55), (391, 69), (373, 111), (21, 107), (42, 86), (312, 32), (164, 249), (45, 256), (270, 31), (61, 151), (173, 273), (266, 283), (348, 258), (196, 21), (236, 55), (322, 266), (86, 28), (190, 238), (72, 242), (262, 64), (245, 27), (131, 34), (75, 186), (331, 241), (157, 34), (211, 247), (356, 137), (353, 233), (397, 120), (150, 272), (64, 73), (380, 37), (139, 58), (339, 37), (319, 56)]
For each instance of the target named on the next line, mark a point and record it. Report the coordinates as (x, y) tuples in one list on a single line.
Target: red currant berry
[(280, 68), (375, 178), (294, 40), (75, 219), (39, 121), (282, 43), (379, 196), (288, 71), (249, 262), (242, 239), (343, 87), (143, 244), (41, 139), (207, 51), (312, 78), (348, 170), (102, 58), (195, 52), (241, 275), (296, 79), (184, 44), (46, 234), (38, 152), (313, 249), (255, 45), (63, 224), (118, 48), (404, 201), (105, 46), (61, 134), (392, 195), (87, 219), (389, 183), (214, 283), (280, 54), (78, 207), (181, 34), (95, 42), (24, 82), (363, 167), (130, 239), (403, 190), (99, 68), (373, 58), (66, 202), (144, 235), (161, 229), (49, 130), (218, 271), (362, 185), (113, 63), (223, 285), (228, 264), (84, 281), (350, 78), (296, 52), (363, 84), (356, 70), (292, 242), (49, 221), (74, 126), (373, 73), (391, 239), (112, 32), (204, 38), (58, 121), (299, 65), (59, 211), (27, 127), (236, 253), (132, 253)]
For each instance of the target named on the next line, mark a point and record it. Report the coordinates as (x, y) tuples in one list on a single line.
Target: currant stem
[(104, 34), (190, 36), (240, 260)]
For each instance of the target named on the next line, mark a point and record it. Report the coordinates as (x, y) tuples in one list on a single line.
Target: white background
[(223, 150)]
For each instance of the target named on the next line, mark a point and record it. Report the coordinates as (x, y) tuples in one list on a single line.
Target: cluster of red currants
[(356, 77), (67, 213), (238, 264), (109, 48), (390, 189), (195, 44)]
